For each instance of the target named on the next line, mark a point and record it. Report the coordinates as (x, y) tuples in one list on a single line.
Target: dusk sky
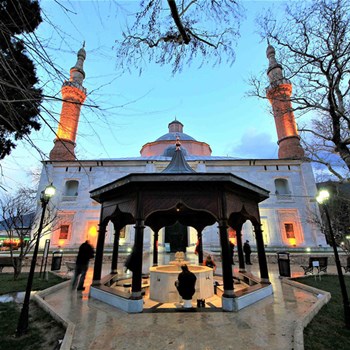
[(210, 101)]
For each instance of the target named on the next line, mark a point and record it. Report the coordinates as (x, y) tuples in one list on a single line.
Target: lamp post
[(23, 318), (322, 199)]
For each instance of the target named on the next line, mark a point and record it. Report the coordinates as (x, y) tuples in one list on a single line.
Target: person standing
[(247, 251), (130, 263), (86, 252)]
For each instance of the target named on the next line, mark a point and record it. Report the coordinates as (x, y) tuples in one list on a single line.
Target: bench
[(318, 262), (7, 261), (347, 267)]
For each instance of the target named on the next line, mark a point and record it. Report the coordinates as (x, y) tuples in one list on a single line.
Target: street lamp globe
[(323, 196), (47, 193)]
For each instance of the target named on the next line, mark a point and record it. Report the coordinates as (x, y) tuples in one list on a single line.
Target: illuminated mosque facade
[(289, 179)]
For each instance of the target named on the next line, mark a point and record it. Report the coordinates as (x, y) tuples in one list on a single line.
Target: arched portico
[(193, 199)]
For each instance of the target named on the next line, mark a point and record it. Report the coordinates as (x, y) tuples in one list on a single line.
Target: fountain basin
[(163, 277)]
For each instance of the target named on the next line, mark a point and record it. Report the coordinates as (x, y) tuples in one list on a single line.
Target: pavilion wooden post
[(200, 246), (264, 274), (115, 253), (240, 249), (226, 259), (96, 280), (137, 263), (155, 248)]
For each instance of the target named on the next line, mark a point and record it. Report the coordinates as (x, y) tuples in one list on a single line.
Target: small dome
[(170, 151), (175, 132), (171, 136)]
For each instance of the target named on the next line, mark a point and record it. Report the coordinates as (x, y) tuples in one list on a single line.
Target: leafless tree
[(19, 216), (312, 41), (40, 50), (178, 32), (339, 212)]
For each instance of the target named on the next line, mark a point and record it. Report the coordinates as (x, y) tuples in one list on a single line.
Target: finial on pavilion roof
[(178, 163)]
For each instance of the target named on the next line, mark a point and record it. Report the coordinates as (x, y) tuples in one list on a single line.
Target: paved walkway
[(268, 324)]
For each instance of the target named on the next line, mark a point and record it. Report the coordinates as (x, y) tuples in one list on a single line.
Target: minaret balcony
[(277, 83), (74, 84)]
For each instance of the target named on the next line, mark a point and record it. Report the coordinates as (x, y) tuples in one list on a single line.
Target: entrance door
[(176, 235)]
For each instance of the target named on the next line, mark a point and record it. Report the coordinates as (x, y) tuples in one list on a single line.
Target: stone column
[(96, 280), (264, 274)]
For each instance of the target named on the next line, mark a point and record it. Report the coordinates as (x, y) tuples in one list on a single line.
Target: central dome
[(164, 145), (175, 129)]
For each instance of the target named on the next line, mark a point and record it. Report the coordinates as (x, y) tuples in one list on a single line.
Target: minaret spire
[(279, 93), (73, 95), (77, 73)]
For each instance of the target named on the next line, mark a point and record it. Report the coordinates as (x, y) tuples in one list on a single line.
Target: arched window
[(71, 190), (282, 188)]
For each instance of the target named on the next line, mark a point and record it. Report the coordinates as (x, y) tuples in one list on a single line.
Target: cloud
[(255, 145)]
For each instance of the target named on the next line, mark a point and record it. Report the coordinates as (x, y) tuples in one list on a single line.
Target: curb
[(70, 326), (323, 298)]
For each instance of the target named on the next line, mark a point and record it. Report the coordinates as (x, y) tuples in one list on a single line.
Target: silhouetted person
[(247, 251), (86, 252), (210, 263), (185, 285), (130, 263)]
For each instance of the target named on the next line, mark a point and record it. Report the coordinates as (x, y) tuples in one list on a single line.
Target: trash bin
[(167, 247), (56, 260), (283, 264)]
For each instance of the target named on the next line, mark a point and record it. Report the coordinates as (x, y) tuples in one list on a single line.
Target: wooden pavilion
[(178, 194)]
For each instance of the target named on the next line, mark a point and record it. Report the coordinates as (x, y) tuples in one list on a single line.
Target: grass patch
[(9, 285), (327, 330), (43, 332)]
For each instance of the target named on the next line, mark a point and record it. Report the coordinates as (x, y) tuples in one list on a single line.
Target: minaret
[(73, 95), (279, 93)]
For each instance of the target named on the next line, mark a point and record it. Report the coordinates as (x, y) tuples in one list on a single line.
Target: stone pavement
[(268, 324)]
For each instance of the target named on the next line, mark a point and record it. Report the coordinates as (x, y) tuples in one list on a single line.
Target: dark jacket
[(209, 263), (186, 285), (130, 262), (86, 252), (246, 248)]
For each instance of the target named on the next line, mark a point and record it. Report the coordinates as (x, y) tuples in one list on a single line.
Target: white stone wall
[(83, 211)]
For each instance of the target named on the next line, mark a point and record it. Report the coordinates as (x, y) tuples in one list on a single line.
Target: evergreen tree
[(19, 98)]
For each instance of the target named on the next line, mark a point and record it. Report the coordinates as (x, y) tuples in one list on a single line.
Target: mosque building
[(289, 179)]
